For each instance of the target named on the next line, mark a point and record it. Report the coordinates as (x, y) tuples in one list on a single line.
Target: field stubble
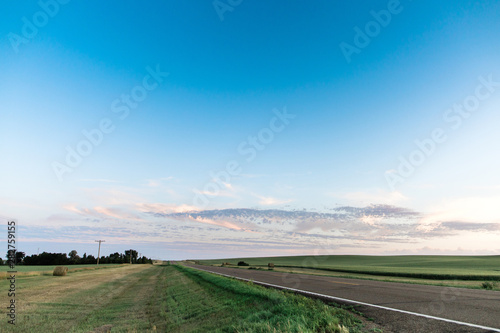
[(146, 298)]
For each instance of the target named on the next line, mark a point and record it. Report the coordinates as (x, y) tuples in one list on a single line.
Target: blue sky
[(172, 93)]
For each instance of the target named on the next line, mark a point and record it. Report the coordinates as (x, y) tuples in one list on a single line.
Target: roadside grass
[(220, 304), (166, 298), (489, 285)]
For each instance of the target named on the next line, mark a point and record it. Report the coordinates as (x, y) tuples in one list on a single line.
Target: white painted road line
[(354, 302)]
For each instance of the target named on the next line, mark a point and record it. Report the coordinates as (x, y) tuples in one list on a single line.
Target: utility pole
[(131, 256), (99, 251)]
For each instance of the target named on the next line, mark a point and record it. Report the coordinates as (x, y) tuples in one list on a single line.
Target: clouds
[(162, 208), (270, 201), (469, 226), (128, 216), (386, 223), (379, 196), (373, 224), (100, 212), (370, 229), (452, 227)]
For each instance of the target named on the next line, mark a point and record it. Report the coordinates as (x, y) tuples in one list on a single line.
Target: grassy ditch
[(221, 304)]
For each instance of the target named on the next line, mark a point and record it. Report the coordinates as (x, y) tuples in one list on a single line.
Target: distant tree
[(91, 259), (74, 258), (11, 254), (20, 256), (31, 260), (134, 254), (46, 258), (116, 258), (104, 260)]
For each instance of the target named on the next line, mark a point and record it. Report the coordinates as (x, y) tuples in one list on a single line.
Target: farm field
[(455, 270), (165, 298), (23, 270)]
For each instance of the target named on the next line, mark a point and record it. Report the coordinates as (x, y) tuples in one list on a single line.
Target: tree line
[(72, 258)]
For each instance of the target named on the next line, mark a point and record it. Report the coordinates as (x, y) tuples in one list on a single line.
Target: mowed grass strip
[(23, 270), (84, 300), (128, 304), (145, 298), (196, 301)]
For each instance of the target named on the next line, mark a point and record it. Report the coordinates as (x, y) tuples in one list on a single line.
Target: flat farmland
[(458, 270), (166, 298), (23, 270)]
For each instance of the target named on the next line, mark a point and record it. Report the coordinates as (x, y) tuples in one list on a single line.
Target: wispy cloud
[(158, 182), (163, 208), (117, 213), (99, 180), (378, 196), (270, 201), (342, 228)]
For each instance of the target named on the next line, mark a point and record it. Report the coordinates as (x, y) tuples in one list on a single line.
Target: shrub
[(488, 285), (242, 263)]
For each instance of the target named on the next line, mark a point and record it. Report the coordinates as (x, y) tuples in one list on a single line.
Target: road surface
[(475, 307)]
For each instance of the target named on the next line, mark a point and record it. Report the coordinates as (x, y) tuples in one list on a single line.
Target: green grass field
[(477, 268), (154, 298), (23, 270)]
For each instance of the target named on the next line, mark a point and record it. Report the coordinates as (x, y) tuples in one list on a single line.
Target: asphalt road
[(479, 307)]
